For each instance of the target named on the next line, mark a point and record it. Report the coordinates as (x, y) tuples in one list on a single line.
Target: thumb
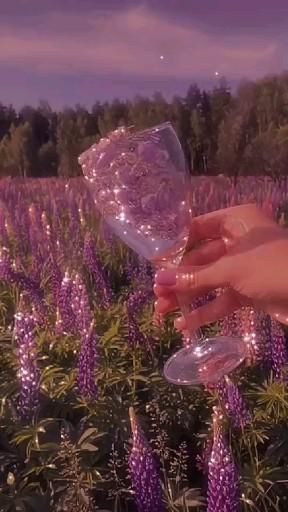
[(195, 279)]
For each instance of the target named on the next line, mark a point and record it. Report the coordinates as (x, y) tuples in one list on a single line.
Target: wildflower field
[(87, 422)]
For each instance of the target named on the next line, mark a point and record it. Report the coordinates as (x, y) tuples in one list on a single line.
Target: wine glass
[(141, 186)]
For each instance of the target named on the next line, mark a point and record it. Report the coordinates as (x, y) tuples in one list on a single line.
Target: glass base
[(206, 362), (280, 316)]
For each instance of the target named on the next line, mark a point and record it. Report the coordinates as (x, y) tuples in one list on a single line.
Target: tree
[(39, 124), (268, 154), (48, 159), (7, 117), (112, 116), (180, 117), (193, 97), (219, 132), (231, 144), (74, 135), (45, 110), (17, 151)]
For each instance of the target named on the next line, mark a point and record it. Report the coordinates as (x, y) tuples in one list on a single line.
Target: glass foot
[(206, 362)]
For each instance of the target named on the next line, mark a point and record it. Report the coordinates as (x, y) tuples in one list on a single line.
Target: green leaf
[(89, 447), (90, 432)]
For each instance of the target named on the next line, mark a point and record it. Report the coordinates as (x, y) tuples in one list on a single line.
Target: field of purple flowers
[(87, 421)]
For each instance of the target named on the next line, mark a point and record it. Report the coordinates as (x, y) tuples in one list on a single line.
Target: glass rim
[(131, 132), (156, 128)]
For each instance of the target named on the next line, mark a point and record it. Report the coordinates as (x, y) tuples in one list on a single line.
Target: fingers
[(205, 254), (210, 225), (217, 309), (164, 291), (206, 227), (196, 279), (166, 305), (168, 302)]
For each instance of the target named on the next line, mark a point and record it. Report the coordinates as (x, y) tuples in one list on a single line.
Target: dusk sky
[(69, 51)]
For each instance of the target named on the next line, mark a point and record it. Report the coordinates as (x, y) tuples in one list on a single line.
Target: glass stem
[(192, 337)]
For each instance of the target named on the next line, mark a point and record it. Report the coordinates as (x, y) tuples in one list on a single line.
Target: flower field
[(87, 422)]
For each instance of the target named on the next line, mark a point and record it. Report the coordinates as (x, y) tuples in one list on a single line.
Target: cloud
[(130, 42)]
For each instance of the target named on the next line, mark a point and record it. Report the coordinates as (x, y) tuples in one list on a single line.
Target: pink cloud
[(131, 42)]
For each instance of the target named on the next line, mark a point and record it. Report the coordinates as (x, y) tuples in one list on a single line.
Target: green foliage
[(240, 134), (17, 150), (73, 454)]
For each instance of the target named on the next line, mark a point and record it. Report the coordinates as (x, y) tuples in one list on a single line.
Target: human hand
[(242, 251)]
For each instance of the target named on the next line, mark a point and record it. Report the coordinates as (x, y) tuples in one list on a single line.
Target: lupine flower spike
[(278, 349), (223, 477), (143, 471), (92, 261), (28, 372), (235, 406), (87, 364), (66, 322)]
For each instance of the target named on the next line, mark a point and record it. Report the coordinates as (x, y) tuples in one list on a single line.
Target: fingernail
[(180, 323), (166, 278)]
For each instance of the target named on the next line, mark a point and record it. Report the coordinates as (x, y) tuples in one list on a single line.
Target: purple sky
[(69, 51)]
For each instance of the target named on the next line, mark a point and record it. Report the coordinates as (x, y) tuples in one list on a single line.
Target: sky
[(81, 51)]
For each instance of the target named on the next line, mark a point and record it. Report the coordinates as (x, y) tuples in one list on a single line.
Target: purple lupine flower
[(278, 349), (263, 343), (140, 272), (88, 345), (19, 233), (66, 321), (26, 284), (233, 402), (232, 325), (256, 327), (87, 364), (223, 477), (74, 232), (6, 271), (49, 235), (37, 260), (28, 372), (143, 472), (55, 280), (80, 304), (201, 301), (135, 302), (134, 336), (35, 238), (34, 292), (94, 265), (145, 273)]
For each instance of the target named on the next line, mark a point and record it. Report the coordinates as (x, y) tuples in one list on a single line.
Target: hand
[(242, 251)]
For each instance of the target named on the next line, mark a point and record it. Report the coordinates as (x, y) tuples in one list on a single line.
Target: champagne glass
[(141, 186)]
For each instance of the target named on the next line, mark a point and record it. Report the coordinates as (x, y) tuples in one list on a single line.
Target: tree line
[(245, 133)]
